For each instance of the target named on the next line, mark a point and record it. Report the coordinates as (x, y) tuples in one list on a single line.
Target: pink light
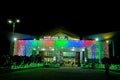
[(16, 48), (21, 42), (49, 43), (107, 50), (89, 42), (90, 52)]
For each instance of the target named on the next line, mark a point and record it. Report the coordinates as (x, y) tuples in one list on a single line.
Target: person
[(107, 68)]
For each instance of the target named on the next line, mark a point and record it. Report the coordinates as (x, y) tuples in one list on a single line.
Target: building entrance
[(68, 59)]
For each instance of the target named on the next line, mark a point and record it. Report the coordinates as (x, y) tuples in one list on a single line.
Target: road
[(63, 73)]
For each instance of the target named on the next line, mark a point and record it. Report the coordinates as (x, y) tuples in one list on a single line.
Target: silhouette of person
[(107, 68)]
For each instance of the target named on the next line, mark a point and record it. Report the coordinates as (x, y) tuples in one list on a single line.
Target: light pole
[(13, 22)]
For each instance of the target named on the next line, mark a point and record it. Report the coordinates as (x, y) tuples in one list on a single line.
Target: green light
[(60, 43), (10, 21), (97, 50), (35, 43), (15, 38), (17, 20), (89, 52)]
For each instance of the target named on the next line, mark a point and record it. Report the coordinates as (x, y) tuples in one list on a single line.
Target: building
[(61, 45)]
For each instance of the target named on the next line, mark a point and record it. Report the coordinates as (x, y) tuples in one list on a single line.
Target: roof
[(18, 35), (103, 36), (63, 32), (60, 32), (53, 32)]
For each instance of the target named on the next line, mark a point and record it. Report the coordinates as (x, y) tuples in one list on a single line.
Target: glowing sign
[(55, 38)]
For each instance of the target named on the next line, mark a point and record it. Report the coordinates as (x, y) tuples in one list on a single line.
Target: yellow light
[(43, 49), (107, 41), (52, 49)]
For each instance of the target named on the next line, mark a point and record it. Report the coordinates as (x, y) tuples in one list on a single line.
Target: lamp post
[(13, 36)]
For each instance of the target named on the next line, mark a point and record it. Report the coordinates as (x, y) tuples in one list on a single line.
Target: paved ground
[(63, 73)]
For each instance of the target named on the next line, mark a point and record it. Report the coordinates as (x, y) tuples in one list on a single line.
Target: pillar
[(113, 48)]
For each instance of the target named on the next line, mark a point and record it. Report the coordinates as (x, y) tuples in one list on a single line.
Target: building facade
[(62, 47)]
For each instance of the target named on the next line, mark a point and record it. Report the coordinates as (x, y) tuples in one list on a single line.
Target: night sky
[(79, 21)]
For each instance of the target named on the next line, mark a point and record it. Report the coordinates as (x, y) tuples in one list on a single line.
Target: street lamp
[(13, 22)]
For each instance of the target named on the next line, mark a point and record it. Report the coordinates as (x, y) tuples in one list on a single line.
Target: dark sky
[(82, 18), (80, 24)]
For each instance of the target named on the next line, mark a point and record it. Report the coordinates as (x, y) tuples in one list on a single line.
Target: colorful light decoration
[(93, 53), (93, 48), (60, 43), (107, 49), (21, 44), (98, 50), (88, 52)]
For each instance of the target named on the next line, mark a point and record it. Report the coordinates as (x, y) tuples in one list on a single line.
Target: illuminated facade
[(57, 48), (61, 45)]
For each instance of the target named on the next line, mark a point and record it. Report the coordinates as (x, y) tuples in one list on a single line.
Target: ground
[(62, 73)]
